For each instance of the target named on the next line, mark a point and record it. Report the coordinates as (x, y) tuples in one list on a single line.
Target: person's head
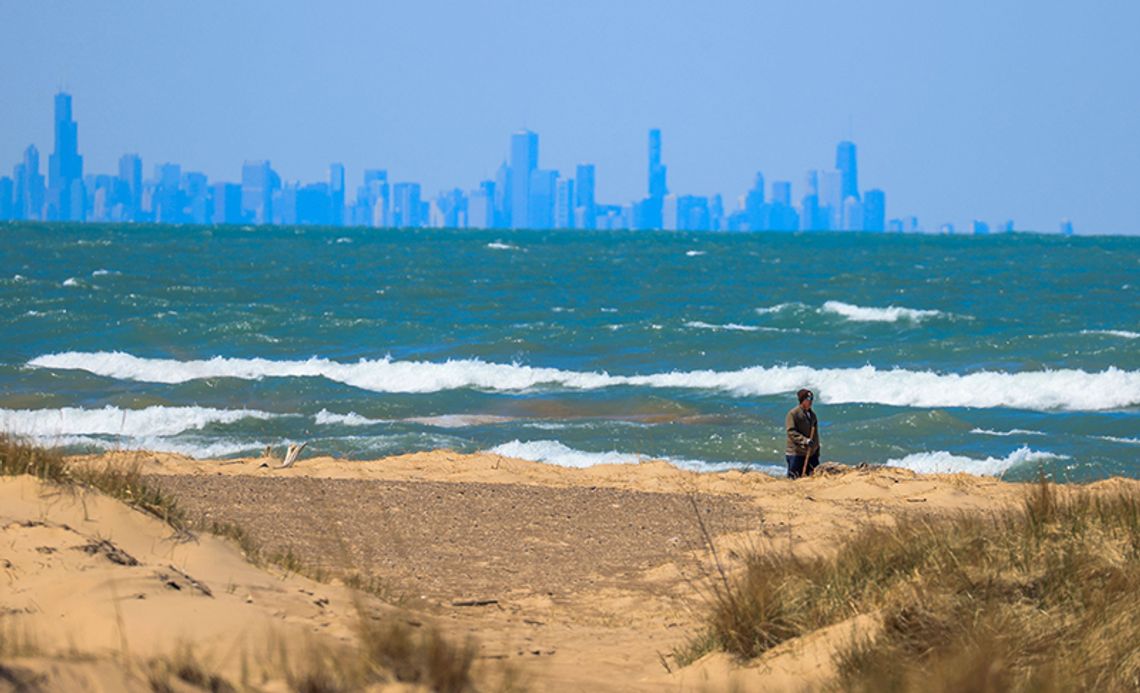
[(806, 397)]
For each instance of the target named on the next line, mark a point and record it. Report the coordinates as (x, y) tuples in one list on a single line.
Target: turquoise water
[(991, 355)]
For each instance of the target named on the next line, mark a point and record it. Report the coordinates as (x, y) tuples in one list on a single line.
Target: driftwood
[(291, 455)]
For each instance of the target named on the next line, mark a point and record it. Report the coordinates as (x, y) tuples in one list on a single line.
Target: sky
[(987, 110)]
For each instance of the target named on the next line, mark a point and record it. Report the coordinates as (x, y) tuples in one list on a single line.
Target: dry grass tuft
[(184, 666), (1043, 598)]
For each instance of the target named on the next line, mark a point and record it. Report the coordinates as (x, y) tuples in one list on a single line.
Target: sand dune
[(577, 579)]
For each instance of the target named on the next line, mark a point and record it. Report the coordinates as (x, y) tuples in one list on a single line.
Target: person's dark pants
[(796, 465)]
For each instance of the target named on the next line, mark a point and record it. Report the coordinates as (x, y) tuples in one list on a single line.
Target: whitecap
[(150, 421), (458, 420), (557, 453), (1126, 334), (344, 239), (943, 462), (499, 245), (1126, 441), (1011, 432), (1064, 389), (866, 314), (325, 418), (694, 253), (71, 281), (196, 449), (104, 273), (779, 308)]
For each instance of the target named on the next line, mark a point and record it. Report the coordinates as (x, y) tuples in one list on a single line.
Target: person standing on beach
[(802, 451)]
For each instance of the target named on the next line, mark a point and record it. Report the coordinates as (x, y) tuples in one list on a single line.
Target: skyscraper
[(336, 194), (258, 183), (585, 203), (657, 186), (540, 206), (845, 164), (831, 199), (7, 189), (524, 161), (65, 166), (29, 193), (874, 210), (406, 205), (564, 204), (130, 182)]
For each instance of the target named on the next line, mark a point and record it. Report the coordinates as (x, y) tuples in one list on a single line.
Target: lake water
[(1007, 354)]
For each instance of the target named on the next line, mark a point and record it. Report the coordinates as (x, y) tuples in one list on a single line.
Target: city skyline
[(960, 111), (521, 196)]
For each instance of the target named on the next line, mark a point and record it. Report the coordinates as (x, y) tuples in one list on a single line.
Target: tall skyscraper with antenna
[(65, 167), (845, 164)]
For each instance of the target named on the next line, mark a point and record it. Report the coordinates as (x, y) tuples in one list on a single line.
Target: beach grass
[(1045, 597), (386, 650)]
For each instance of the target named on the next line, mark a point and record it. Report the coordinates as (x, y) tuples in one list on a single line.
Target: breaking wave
[(554, 452), (1011, 432), (942, 462), (889, 314), (1065, 389), (1126, 334), (151, 421)]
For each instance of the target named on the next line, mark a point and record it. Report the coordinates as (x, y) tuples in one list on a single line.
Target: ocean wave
[(942, 462), (694, 253), (1126, 334), (104, 273), (1011, 432), (1126, 441), (779, 308), (556, 453), (151, 421), (889, 314), (1064, 389), (200, 450), (730, 326), (458, 420), (499, 245), (326, 418), (71, 281)]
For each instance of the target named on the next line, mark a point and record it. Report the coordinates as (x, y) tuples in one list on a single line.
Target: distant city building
[(407, 207), (481, 206), (848, 170), (979, 228), (947, 229), (7, 198), (875, 210), (258, 183), (564, 205), (524, 161), (521, 195), (1007, 226), (336, 194), (65, 167), (585, 209), (831, 200), (1066, 227), (540, 206), (227, 203)]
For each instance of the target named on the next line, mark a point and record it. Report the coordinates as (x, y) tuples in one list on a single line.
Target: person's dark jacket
[(801, 425)]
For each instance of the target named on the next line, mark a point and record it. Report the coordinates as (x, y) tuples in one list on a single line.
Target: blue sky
[(963, 110)]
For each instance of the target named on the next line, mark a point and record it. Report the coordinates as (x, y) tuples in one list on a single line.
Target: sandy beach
[(571, 579)]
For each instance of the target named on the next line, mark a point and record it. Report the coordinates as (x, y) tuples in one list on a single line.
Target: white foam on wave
[(104, 273), (499, 245), (730, 326), (459, 420), (779, 308), (870, 314), (71, 281), (1064, 389), (554, 452), (1011, 432), (326, 418), (197, 449), (694, 253), (942, 462), (151, 421), (1126, 334), (1126, 441)]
